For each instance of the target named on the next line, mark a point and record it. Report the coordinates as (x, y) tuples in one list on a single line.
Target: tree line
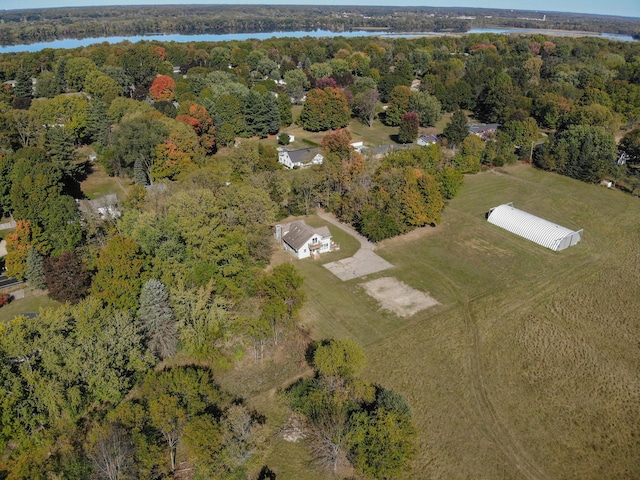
[(28, 26)]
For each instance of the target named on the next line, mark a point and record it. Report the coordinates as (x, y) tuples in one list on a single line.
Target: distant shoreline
[(70, 43)]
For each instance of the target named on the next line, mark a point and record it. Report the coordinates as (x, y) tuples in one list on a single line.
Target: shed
[(535, 229)]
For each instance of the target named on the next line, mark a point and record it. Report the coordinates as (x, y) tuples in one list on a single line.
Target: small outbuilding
[(535, 229)]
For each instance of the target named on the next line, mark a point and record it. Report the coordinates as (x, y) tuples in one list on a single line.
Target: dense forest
[(120, 381), (28, 26)]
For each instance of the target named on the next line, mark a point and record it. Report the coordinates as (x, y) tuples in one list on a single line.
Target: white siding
[(535, 229)]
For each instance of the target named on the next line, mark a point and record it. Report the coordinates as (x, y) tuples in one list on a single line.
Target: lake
[(83, 42)]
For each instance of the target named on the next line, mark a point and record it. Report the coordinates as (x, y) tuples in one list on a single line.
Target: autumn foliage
[(199, 119), (163, 88), (325, 110), (4, 299), (18, 245)]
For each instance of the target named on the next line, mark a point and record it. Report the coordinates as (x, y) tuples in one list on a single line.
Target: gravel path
[(364, 262)]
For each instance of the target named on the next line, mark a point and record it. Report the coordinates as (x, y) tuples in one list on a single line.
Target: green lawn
[(98, 184), (378, 134), (530, 367), (29, 304)]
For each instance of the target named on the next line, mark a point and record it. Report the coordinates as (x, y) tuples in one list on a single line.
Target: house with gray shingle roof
[(304, 157), (483, 131), (426, 140), (302, 240)]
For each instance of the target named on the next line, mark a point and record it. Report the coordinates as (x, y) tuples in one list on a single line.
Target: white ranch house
[(302, 240), (483, 131), (300, 158), (426, 140)]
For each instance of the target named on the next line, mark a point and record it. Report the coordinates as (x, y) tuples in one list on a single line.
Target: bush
[(284, 139)]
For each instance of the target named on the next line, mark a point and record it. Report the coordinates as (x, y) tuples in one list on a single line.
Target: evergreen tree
[(140, 171), (60, 145), (159, 321), (34, 272), (23, 88), (456, 130), (98, 124), (260, 115), (284, 106)]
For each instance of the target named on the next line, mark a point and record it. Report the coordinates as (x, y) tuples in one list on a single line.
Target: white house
[(302, 240), (358, 146), (426, 140), (483, 131), (105, 207), (300, 158)]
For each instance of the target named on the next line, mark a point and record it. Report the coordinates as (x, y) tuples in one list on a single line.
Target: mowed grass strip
[(28, 304), (556, 336)]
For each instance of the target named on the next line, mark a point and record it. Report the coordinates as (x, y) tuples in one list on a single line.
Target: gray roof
[(481, 129), (304, 155), (109, 200), (298, 233), (429, 138)]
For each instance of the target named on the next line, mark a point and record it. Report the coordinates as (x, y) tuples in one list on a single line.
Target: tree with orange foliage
[(199, 119), (163, 88), (179, 153), (325, 110), (18, 245)]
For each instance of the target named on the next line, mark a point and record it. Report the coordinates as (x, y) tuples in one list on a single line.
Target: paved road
[(364, 262), (7, 281)]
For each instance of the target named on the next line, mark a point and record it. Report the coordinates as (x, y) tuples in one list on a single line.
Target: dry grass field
[(530, 366)]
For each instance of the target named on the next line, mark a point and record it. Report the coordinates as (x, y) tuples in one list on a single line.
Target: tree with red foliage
[(202, 123), (163, 88), (408, 132), (4, 298), (323, 83), (66, 277)]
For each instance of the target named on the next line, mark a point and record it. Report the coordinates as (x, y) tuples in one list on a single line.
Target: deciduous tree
[(163, 88), (409, 126), (66, 277), (120, 273), (398, 105), (365, 105), (18, 245), (583, 152), (325, 109)]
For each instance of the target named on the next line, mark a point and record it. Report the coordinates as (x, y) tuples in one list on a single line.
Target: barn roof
[(535, 229)]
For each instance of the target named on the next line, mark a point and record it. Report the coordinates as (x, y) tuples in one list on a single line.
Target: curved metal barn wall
[(535, 229)]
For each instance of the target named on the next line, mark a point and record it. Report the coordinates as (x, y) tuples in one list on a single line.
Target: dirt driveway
[(364, 262)]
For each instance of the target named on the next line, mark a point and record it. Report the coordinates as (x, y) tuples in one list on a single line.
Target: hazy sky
[(626, 8)]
